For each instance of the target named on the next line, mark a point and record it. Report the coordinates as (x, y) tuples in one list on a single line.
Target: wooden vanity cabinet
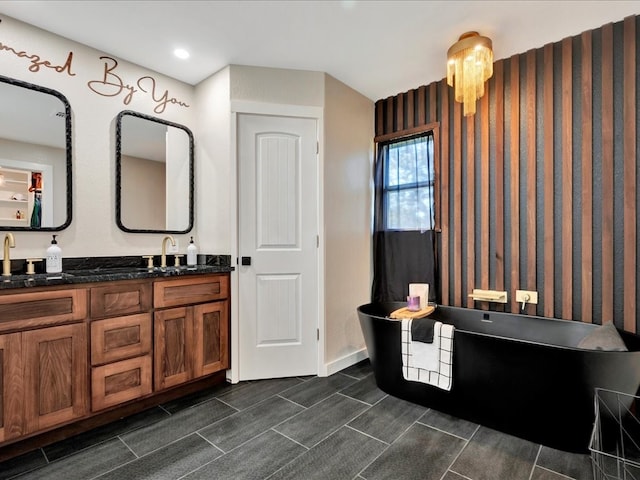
[(43, 373), (73, 356), (190, 341)]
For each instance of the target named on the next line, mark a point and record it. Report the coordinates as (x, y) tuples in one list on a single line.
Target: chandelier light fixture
[(470, 64)]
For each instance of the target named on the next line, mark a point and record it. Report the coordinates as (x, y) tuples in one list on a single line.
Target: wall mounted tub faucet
[(526, 296)]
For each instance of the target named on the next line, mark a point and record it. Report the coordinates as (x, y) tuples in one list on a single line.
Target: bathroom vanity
[(84, 348)]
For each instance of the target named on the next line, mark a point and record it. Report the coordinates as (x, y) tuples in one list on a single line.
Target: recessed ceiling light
[(181, 53)]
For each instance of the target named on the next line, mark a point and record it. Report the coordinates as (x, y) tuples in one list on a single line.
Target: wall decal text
[(38, 62), (112, 85)]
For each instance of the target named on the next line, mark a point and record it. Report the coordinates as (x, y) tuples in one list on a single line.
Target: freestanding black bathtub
[(519, 374)]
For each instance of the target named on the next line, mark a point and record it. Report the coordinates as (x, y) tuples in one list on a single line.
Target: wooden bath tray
[(404, 312)]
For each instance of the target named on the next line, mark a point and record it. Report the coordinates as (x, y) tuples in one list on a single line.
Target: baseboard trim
[(344, 362)]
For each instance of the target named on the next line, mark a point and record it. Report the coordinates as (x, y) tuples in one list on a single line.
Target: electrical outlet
[(173, 249), (527, 296)]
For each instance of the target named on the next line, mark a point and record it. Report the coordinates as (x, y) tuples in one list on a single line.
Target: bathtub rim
[(555, 321)]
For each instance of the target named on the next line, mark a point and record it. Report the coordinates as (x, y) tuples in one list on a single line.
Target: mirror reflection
[(35, 157), (154, 175)]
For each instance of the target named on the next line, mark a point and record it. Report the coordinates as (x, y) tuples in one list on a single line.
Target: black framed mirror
[(35, 157), (154, 175)]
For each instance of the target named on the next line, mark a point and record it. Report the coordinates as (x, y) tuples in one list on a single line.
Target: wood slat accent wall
[(538, 190)]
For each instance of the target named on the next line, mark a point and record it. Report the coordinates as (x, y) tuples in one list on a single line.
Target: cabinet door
[(211, 338), (11, 387), (55, 375), (173, 340)]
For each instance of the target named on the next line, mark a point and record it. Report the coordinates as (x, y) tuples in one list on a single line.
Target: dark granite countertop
[(107, 269)]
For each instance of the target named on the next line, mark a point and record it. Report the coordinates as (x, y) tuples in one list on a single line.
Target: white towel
[(429, 363)]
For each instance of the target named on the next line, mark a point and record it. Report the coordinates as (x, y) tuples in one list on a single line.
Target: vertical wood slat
[(607, 172), (388, 128), (400, 113), (514, 148), (456, 226), (379, 117), (410, 109), (567, 181), (587, 178), (444, 194), (432, 103), (629, 189), (436, 145), (471, 217), (548, 181), (499, 173), (531, 177), (422, 117), (484, 193)]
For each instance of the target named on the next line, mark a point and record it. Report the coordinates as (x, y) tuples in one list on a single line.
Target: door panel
[(173, 331), (278, 226), (55, 375), (279, 310), (211, 350), (11, 387)]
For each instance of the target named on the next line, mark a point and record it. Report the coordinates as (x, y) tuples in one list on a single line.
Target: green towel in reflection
[(36, 215)]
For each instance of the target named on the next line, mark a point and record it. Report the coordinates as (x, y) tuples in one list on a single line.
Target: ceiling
[(380, 48)]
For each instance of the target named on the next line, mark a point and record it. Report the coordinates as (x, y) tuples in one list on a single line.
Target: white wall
[(276, 85), (212, 135), (348, 160)]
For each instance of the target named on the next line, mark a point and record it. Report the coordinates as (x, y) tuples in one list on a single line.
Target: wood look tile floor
[(340, 427)]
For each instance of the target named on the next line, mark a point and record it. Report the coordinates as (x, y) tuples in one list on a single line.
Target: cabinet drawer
[(120, 299), (114, 339), (120, 382), (41, 309), (184, 291)]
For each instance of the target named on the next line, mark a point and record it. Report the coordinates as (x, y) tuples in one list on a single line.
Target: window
[(408, 184)]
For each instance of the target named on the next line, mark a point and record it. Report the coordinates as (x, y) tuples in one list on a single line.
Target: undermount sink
[(108, 270), (36, 276)]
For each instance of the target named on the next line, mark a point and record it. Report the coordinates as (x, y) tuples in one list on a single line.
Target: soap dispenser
[(192, 254), (54, 257)]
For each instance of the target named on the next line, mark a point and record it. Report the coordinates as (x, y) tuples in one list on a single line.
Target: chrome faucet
[(9, 242), (163, 258)]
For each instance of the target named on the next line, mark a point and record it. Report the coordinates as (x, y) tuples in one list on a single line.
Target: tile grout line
[(535, 462), (366, 434), (360, 473), (557, 473), (286, 436), (444, 431), (291, 401), (466, 443)]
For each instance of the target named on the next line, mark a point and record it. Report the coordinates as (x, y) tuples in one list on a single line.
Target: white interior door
[(278, 228)]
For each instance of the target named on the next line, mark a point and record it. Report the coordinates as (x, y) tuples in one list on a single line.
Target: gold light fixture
[(470, 61)]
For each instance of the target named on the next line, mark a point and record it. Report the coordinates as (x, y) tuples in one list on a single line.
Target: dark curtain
[(401, 257)]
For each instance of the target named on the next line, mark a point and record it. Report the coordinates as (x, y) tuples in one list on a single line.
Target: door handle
[(245, 261)]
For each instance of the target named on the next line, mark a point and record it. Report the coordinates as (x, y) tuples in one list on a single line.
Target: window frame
[(434, 128), (387, 189)]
